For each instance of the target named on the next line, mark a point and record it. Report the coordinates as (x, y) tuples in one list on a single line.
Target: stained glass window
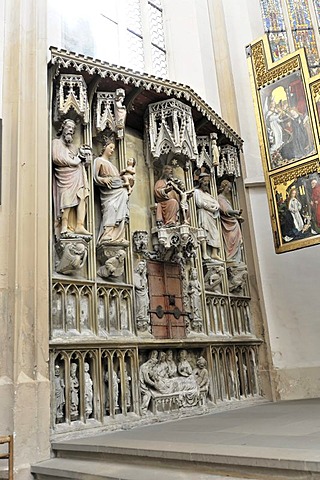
[(316, 4), (302, 31), (275, 28)]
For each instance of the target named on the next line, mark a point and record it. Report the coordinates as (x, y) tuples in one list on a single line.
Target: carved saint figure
[(184, 367), (230, 219), (115, 390), (172, 367), (208, 213), (70, 183), (142, 295), (146, 374), (170, 195), (215, 151), (113, 197), (88, 391), (201, 374), (127, 380), (120, 111), (195, 290), (74, 391), (128, 175), (59, 388), (115, 386)]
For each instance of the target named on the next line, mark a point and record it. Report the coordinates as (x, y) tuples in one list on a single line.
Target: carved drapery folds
[(133, 291), (170, 129)]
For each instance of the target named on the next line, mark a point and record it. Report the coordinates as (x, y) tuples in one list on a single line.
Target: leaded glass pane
[(274, 26), (159, 62), (302, 30), (278, 44), (272, 15), (156, 26), (157, 3), (134, 16), (299, 14), (316, 4), (135, 52)]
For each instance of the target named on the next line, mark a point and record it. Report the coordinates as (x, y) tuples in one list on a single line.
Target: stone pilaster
[(24, 384)]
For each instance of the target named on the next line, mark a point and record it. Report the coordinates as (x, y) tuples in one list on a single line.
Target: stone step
[(65, 468), (145, 460)]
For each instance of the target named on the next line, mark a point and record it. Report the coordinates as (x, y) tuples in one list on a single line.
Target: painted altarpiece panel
[(286, 102)]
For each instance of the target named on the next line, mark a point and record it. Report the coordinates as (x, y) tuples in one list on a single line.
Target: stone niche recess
[(150, 304)]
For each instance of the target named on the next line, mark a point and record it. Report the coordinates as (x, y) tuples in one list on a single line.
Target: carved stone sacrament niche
[(150, 305)]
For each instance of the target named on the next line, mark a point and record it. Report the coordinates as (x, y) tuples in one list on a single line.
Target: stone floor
[(247, 442)]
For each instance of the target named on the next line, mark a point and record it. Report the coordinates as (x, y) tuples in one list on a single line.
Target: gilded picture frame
[(287, 108)]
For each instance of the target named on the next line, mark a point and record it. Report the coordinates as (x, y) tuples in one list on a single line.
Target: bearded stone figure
[(70, 182)]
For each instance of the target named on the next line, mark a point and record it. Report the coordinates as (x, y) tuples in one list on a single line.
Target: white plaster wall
[(289, 282), (189, 46)]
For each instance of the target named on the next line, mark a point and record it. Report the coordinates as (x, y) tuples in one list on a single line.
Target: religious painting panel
[(296, 196), (287, 126), (286, 102)]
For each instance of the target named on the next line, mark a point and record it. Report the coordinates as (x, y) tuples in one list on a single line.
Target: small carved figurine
[(213, 278), (114, 267), (142, 296), (120, 111), (201, 374), (59, 388), (147, 381), (237, 277), (184, 367), (73, 257), (128, 175), (88, 391), (194, 291), (74, 391)]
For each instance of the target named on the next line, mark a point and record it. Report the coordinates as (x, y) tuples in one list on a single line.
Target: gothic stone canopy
[(142, 90)]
